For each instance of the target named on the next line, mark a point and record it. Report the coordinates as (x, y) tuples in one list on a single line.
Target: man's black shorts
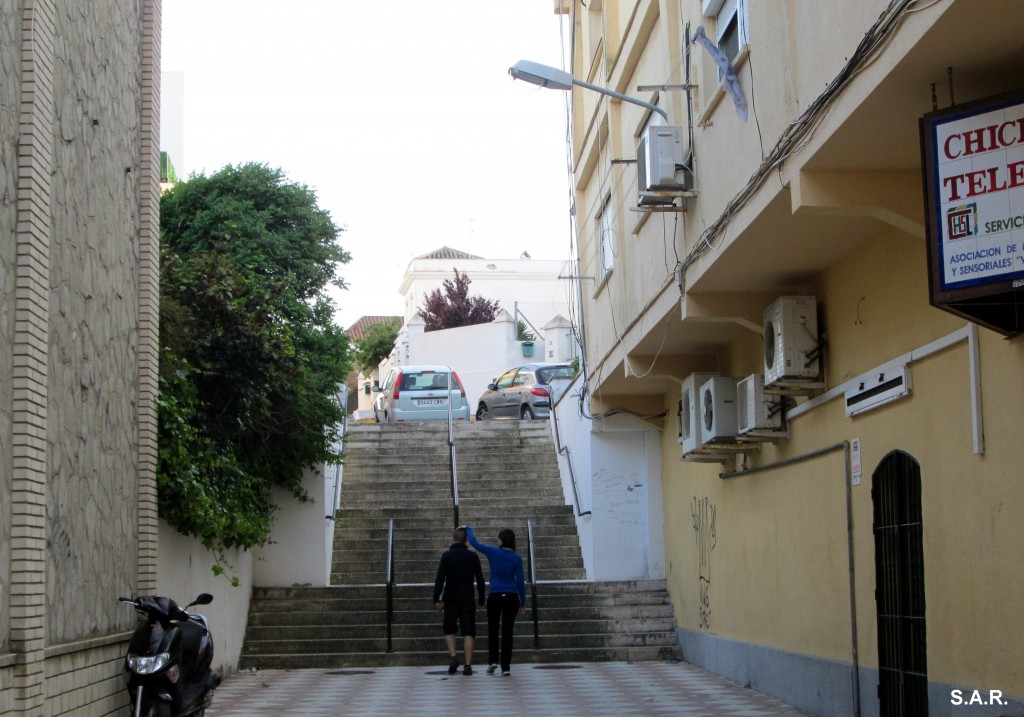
[(459, 613)]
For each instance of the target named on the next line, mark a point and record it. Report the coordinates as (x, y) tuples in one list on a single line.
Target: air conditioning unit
[(718, 410), (877, 388), (791, 340), (663, 164), (754, 410), (689, 411)]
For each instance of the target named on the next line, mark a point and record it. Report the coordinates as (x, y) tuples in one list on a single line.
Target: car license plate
[(431, 402)]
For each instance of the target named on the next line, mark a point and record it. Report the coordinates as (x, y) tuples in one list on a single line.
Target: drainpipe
[(848, 477)]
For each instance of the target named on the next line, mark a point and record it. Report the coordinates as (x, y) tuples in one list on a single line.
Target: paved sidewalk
[(605, 689)]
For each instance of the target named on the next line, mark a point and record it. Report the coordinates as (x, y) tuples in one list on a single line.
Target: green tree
[(250, 357), (455, 307), (375, 345)]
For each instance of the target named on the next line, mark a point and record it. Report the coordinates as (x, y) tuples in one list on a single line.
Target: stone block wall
[(79, 286), (10, 71)]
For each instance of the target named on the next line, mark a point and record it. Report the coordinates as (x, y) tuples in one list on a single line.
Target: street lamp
[(555, 79)]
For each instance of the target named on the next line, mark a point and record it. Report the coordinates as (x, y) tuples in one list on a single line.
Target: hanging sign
[(974, 194)]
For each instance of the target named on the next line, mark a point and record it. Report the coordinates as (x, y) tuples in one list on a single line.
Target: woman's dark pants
[(502, 609)]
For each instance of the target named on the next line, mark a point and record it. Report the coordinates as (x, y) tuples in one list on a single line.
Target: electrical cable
[(800, 131)]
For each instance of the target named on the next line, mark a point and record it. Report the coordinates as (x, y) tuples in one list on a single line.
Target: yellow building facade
[(864, 556)]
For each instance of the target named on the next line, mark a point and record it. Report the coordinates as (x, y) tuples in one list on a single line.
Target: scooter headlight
[(147, 665)]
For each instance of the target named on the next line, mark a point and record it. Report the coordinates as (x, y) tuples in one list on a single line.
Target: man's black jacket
[(458, 568)]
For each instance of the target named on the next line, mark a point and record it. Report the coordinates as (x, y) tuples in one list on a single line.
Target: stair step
[(371, 625), (508, 476), (438, 658), (319, 645)]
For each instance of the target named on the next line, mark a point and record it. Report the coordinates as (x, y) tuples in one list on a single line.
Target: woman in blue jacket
[(507, 598)]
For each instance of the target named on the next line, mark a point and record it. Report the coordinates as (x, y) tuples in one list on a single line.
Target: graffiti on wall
[(702, 511)]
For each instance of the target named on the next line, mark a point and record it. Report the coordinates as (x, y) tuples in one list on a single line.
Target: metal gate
[(899, 587)]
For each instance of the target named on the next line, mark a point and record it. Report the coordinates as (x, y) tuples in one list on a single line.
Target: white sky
[(400, 115)]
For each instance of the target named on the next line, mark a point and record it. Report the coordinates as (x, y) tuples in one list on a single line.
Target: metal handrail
[(389, 585), (564, 451), (451, 454), (533, 583)]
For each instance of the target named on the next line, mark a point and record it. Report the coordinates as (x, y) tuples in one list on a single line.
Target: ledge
[(93, 643)]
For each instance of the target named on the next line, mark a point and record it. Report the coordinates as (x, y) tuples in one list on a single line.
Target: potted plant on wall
[(525, 337)]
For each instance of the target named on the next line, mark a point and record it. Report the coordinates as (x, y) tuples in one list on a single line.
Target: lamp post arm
[(620, 96)]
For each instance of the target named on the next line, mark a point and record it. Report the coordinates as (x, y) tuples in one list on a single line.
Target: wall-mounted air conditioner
[(663, 164), (791, 340), (718, 410), (689, 411), (755, 411), (877, 388)]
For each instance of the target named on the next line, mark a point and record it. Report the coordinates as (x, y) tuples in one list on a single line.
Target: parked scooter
[(167, 667)]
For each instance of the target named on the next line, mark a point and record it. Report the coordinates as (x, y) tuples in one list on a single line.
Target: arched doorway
[(899, 586)]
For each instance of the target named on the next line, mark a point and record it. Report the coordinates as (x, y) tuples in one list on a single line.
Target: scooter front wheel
[(155, 709)]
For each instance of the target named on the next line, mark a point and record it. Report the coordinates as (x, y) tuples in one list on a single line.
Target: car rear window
[(424, 380), (544, 375)]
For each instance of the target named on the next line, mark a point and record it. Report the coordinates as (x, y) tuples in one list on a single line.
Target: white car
[(420, 393)]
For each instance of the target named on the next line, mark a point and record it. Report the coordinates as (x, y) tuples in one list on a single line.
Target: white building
[(527, 290)]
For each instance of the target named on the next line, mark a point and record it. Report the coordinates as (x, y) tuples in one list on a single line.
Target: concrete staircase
[(508, 475)]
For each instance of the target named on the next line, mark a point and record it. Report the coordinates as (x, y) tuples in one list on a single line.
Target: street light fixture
[(555, 79)]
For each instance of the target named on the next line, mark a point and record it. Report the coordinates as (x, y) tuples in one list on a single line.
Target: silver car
[(521, 392), (420, 393)]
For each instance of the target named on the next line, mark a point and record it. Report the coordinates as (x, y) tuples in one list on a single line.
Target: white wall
[(617, 465), (302, 537), (572, 435), (478, 353), (365, 400), (185, 569)]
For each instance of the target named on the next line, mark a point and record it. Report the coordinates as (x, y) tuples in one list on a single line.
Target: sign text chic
[(994, 137)]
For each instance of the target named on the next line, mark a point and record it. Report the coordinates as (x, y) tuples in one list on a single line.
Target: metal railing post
[(389, 589), (533, 584)]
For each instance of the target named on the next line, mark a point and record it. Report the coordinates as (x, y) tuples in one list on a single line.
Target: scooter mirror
[(203, 599)]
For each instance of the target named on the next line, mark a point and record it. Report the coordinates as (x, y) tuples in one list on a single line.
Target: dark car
[(521, 392)]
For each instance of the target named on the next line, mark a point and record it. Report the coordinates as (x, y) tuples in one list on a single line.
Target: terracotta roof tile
[(358, 330), (446, 252)]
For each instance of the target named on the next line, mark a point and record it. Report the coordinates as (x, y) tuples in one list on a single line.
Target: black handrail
[(533, 583), (389, 589)]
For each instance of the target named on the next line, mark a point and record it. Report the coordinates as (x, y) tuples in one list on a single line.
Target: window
[(506, 379), (545, 375), (727, 27), (732, 32), (731, 25), (523, 378), (606, 245)]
